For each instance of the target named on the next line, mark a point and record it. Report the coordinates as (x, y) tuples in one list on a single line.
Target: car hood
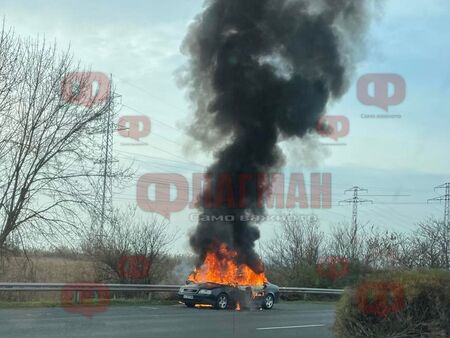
[(203, 286), (215, 286)]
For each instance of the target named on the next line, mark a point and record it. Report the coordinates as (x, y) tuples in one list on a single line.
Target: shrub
[(396, 304)]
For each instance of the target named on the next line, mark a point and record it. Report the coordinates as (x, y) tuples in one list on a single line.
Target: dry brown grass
[(420, 306), (43, 270)]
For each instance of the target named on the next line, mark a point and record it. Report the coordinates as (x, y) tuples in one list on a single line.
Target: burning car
[(222, 297), (222, 282)]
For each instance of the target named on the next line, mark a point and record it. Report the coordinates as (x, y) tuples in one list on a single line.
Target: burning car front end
[(226, 296), (205, 294), (197, 294)]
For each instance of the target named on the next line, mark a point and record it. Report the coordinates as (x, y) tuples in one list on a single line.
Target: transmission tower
[(355, 201), (106, 171), (446, 199)]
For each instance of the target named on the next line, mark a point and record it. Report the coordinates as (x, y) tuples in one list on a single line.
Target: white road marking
[(289, 327)]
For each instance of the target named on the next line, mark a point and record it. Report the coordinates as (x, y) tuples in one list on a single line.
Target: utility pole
[(446, 199), (355, 201)]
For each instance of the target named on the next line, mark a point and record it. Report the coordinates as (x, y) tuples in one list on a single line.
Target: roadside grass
[(324, 302), (29, 304), (396, 304), (112, 302), (46, 270)]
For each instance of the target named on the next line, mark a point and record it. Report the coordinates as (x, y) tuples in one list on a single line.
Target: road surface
[(170, 321)]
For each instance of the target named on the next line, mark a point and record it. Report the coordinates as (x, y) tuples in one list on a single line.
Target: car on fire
[(224, 297)]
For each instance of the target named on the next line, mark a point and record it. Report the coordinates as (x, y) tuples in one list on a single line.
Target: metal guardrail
[(311, 291), (86, 286), (133, 287)]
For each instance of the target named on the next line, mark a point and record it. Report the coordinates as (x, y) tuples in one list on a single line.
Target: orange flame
[(221, 268)]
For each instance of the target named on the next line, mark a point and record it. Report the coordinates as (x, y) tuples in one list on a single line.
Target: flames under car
[(226, 296)]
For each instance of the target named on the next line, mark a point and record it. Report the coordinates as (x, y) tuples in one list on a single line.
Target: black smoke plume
[(262, 71)]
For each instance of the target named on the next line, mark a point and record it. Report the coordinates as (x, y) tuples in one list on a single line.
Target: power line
[(151, 94), (153, 119)]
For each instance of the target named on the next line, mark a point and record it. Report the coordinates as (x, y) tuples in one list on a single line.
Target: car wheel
[(268, 302), (189, 304), (222, 301)]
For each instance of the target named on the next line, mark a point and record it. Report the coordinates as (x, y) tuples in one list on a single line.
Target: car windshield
[(224, 168)]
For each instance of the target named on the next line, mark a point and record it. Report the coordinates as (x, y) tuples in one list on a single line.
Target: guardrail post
[(77, 297)]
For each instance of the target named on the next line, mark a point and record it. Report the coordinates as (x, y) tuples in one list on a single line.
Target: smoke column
[(262, 71)]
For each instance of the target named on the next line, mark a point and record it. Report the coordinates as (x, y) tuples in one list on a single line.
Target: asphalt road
[(176, 321)]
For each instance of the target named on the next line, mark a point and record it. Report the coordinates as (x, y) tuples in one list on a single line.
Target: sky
[(399, 160)]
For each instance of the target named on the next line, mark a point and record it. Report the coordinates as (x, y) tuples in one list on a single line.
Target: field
[(43, 270)]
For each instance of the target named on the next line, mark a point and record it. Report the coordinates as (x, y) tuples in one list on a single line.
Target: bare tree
[(347, 241), (387, 250), (370, 248), (130, 235), (47, 145), (432, 244), (293, 253)]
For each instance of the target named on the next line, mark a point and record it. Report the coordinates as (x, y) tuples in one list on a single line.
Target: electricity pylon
[(446, 199), (355, 201), (106, 161)]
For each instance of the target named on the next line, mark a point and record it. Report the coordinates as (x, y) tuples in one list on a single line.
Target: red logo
[(135, 127), (85, 299), (380, 298), (85, 89), (163, 203), (334, 127), (133, 267), (381, 94), (332, 267)]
